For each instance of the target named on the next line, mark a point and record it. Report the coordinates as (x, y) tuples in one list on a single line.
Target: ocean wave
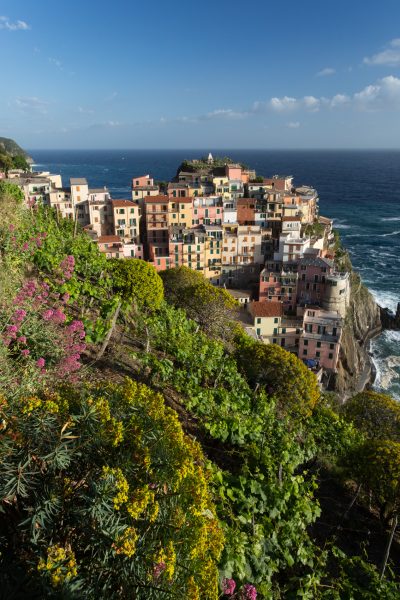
[(385, 299), (390, 219), (342, 226), (389, 234)]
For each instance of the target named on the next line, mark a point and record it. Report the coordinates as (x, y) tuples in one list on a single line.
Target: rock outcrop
[(390, 320), (362, 323)]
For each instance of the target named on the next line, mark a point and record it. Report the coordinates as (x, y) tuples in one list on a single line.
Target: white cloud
[(389, 57), (57, 63), (293, 124), (339, 100), (32, 104), (384, 95), (326, 72), (287, 103), (311, 103), (224, 113), (5, 23)]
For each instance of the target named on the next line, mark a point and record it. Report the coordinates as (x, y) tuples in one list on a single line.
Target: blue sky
[(227, 74)]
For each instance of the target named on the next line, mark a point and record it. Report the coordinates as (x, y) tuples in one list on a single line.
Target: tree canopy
[(137, 282), (376, 414), (211, 307)]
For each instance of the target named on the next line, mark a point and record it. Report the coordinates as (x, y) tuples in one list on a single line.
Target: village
[(260, 238)]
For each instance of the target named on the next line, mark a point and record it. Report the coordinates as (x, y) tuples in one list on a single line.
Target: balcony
[(322, 337)]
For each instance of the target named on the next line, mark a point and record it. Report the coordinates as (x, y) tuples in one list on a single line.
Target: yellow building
[(180, 212), (126, 219)]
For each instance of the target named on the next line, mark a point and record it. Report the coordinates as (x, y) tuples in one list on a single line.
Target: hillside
[(151, 450), (11, 147)]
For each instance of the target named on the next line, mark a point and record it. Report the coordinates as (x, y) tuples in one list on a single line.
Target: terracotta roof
[(156, 199), (266, 309), (122, 203), (109, 239)]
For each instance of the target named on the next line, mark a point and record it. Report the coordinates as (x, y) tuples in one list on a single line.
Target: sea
[(360, 190)]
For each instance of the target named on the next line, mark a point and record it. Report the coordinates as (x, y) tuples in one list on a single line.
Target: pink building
[(142, 180), (207, 211), (279, 287), (161, 263), (233, 172), (322, 332), (111, 246), (312, 279)]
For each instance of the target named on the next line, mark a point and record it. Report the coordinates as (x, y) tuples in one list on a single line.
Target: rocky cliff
[(11, 147), (390, 320), (362, 323)]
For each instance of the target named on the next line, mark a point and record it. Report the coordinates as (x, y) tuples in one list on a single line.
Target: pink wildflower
[(25, 352), (22, 339), (25, 246), (67, 266), (11, 227), (228, 586), (12, 331), (65, 297), (40, 362), (58, 316), (19, 315), (47, 315), (249, 592), (158, 569)]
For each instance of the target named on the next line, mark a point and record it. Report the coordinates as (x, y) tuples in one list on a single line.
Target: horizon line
[(319, 149)]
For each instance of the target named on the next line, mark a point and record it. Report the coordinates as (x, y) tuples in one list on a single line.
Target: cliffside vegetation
[(145, 453), (13, 156)]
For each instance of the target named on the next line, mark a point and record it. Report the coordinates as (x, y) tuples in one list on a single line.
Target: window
[(275, 330), (305, 342), (318, 354), (258, 320), (330, 355), (318, 344), (331, 346), (283, 329), (305, 351), (276, 320), (258, 331)]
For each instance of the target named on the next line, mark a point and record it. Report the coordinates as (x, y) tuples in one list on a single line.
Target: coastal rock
[(390, 320), (362, 323)]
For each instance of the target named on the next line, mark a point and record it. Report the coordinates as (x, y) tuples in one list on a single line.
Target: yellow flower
[(192, 590), (60, 564), (120, 483), (31, 404), (126, 543), (138, 504)]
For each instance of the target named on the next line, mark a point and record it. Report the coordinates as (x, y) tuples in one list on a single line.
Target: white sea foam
[(385, 299), (387, 364), (389, 234), (390, 219), (343, 226)]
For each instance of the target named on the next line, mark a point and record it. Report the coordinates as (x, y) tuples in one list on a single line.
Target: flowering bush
[(111, 495), (37, 343)]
